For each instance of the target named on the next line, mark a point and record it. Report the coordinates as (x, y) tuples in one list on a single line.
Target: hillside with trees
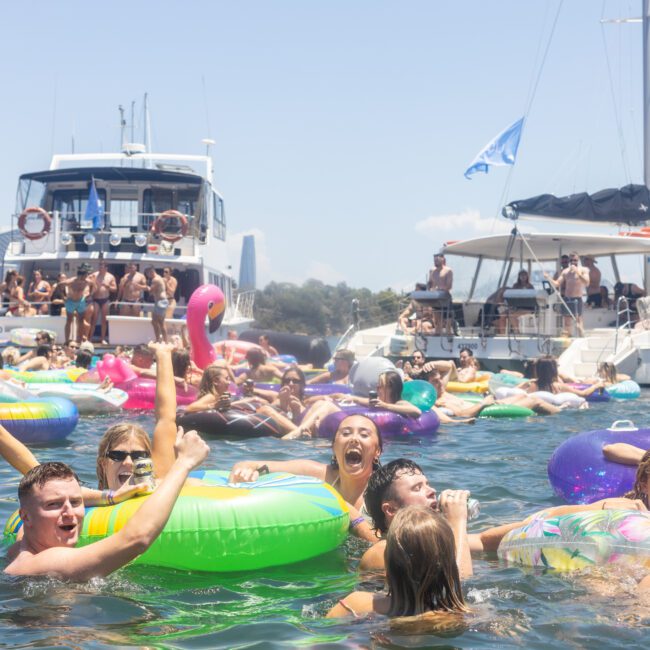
[(320, 309)]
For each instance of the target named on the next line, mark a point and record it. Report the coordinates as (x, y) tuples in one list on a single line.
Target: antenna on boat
[(208, 142), (120, 108), (147, 130)]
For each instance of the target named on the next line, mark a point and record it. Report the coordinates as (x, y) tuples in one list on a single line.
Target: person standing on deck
[(594, 296), (160, 303), (105, 285), (75, 304), (170, 287), (572, 283), (132, 285), (441, 278)]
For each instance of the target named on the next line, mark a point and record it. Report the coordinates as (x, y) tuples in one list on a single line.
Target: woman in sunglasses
[(122, 444)]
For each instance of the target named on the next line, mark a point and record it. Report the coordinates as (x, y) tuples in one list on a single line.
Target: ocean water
[(503, 463)]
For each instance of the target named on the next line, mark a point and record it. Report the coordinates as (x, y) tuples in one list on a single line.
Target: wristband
[(355, 522), (262, 469), (111, 498)]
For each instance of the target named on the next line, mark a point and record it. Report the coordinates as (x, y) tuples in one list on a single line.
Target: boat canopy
[(627, 205), (547, 246), (130, 174)]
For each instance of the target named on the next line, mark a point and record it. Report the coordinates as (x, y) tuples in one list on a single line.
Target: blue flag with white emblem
[(502, 150), (94, 215)]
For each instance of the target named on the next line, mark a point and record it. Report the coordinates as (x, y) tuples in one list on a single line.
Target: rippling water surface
[(503, 463)]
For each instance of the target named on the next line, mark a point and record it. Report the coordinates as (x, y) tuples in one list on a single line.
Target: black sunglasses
[(120, 456), (292, 380)]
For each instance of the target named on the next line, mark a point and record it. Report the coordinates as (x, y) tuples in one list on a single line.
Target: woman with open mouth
[(122, 444), (356, 449)]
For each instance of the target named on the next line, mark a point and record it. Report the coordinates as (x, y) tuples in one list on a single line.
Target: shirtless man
[(594, 297), (40, 361), (170, 288), (160, 303), (343, 362), (441, 278), (52, 510), (572, 283), (130, 291), (105, 285), (75, 304), (38, 292), (265, 344)]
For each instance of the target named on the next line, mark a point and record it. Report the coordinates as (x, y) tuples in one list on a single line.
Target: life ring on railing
[(167, 215), (22, 222)]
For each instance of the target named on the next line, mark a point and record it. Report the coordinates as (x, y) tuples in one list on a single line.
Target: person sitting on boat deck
[(40, 361), (389, 398), (630, 291), (422, 574), (594, 295), (489, 313), (441, 278), (572, 283), (75, 305), (407, 320), (58, 296), (340, 374), (458, 407), (18, 305), (258, 369), (52, 511), (122, 444), (39, 292), (356, 448), (413, 368), (105, 284), (6, 287), (130, 290), (265, 344), (510, 317), (161, 303)]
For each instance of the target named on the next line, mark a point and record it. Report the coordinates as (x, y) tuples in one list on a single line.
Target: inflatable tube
[(311, 389), (579, 540), (420, 393), (390, 425), (468, 387), (500, 380), (472, 398), (60, 376), (578, 471), (559, 399), (207, 301), (306, 349), (89, 399), (233, 423), (219, 527), (505, 391), (116, 369), (39, 421), (506, 411), (234, 350), (365, 374), (597, 396), (142, 393), (26, 336), (625, 390)]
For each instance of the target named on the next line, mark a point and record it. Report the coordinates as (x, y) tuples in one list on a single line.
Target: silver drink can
[(143, 472), (473, 508)]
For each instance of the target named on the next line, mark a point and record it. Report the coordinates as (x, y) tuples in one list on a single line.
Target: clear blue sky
[(343, 127)]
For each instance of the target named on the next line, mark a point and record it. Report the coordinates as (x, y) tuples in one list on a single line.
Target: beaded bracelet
[(355, 522)]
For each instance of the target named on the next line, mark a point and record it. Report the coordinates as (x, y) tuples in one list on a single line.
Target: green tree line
[(321, 309)]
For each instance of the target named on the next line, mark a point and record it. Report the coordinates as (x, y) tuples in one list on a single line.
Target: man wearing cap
[(75, 304), (594, 297), (343, 361)]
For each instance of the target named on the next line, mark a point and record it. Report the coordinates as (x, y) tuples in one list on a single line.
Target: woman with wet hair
[(421, 571)]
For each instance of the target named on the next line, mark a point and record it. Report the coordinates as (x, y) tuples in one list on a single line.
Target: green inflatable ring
[(279, 519), (506, 411)]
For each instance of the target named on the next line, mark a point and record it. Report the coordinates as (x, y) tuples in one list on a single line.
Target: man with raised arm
[(52, 510)]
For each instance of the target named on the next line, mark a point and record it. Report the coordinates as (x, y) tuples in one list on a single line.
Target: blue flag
[(502, 150), (94, 215)]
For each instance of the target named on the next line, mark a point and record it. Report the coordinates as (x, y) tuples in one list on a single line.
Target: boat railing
[(243, 307), (623, 319)]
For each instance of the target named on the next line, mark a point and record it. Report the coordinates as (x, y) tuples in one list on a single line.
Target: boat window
[(123, 213), (71, 205), (159, 199), (218, 218), (30, 193)]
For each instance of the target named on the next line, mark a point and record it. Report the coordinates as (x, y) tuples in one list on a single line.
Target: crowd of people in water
[(87, 298), (578, 281), (416, 537)]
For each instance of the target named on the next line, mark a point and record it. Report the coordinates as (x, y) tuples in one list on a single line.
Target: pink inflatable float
[(141, 390), (208, 300)]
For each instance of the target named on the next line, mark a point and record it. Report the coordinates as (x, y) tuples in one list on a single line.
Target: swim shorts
[(75, 305)]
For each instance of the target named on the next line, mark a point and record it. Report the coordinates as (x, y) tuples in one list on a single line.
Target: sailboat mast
[(646, 92)]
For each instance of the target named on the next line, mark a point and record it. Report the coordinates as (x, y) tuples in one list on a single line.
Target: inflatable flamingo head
[(208, 300)]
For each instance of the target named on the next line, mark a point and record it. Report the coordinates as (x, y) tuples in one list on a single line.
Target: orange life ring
[(157, 226), (45, 217)]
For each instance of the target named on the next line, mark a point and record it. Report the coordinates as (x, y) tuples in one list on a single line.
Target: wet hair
[(11, 355), (180, 362), (639, 490), (421, 571), (546, 368), (466, 349), (83, 359), (394, 384), (208, 381), (301, 376), (42, 474), (380, 488), (43, 350), (112, 437), (255, 357), (43, 334), (376, 465), (345, 355), (607, 371)]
